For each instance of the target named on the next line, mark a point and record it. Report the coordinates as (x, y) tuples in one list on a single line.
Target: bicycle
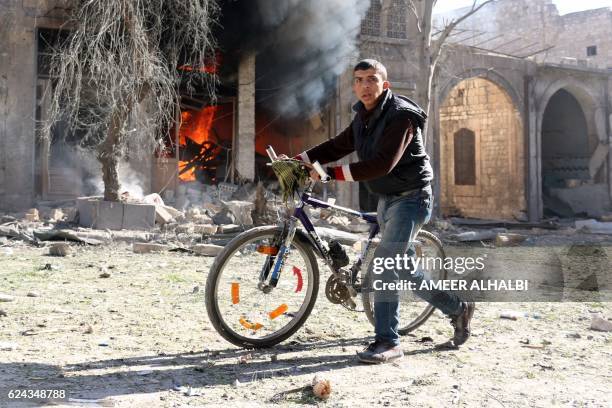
[(261, 307)]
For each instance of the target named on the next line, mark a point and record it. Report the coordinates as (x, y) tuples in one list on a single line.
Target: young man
[(386, 135)]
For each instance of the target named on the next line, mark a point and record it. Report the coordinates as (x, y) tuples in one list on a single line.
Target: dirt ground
[(140, 337)]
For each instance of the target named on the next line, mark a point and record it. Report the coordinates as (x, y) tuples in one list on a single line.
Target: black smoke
[(302, 46)]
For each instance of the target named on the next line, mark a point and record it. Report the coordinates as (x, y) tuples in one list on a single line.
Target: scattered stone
[(207, 249), (145, 248), (6, 298), (244, 359), (474, 236), (229, 228), (321, 388), (205, 229), (33, 294), (103, 343), (196, 289), (573, 335), (32, 215), (88, 330), (162, 216), (3, 313), (510, 314), (105, 275), (224, 217), (274, 358), (598, 323), (242, 211), (56, 214), (185, 229), (594, 226), (509, 239), (60, 249), (425, 339)]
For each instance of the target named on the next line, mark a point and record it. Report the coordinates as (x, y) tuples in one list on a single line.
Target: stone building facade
[(535, 126), (520, 123)]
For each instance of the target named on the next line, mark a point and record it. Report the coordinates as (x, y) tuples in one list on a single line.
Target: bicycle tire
[(429, 309), (212, 306)]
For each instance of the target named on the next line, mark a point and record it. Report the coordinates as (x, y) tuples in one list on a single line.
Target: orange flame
[(195, 126)]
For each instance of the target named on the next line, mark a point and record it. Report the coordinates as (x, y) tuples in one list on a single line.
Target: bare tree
[(117, 75), (430, 45)]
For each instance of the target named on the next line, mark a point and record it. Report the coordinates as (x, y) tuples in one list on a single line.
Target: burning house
[(520, 124)]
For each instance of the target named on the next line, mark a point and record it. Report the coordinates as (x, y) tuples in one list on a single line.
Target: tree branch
[(412, 8), (437, 45)]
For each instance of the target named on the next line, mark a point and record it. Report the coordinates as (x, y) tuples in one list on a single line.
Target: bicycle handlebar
[(324, 176)]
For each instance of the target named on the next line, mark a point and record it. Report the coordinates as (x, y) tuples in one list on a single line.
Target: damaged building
[(519, 122)]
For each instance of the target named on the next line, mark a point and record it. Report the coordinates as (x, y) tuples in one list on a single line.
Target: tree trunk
[(109, 153)]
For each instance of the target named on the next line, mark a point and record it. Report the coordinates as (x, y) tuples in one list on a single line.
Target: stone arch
[(566, 148), (487, 109), (489, 74)]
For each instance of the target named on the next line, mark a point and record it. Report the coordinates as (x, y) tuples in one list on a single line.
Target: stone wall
[(534, 28), (499, 189)]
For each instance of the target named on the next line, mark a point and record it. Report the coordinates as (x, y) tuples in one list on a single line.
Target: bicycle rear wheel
[(246, 315), (413, 311)]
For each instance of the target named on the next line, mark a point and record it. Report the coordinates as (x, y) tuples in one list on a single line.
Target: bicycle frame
[(299, 214)]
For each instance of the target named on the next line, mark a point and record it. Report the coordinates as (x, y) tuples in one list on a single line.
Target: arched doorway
[(481, 152), (568, 143)]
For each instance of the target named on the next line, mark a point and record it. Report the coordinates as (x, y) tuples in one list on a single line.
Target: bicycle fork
[(273, 265)]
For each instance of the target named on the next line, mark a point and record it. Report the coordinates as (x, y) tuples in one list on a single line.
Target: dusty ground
[(141, 337)]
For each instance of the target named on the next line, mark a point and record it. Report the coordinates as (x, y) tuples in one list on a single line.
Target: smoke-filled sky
[(564, 6)]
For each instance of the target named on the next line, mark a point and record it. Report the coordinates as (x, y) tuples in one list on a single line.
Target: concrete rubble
[(201, 219)]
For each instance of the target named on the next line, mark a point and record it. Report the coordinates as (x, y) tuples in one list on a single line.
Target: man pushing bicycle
[(386, 134)]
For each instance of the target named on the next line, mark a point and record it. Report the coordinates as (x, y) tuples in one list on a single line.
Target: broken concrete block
[(242, 211), (207, 249), (202, 219), (176, 214), (108, 215), (223, 217), (162, 216), (206, 229), (229, 228), (138, 217), (60, 249), (184, 229), (594, 226), (145, 248), (509, 239)]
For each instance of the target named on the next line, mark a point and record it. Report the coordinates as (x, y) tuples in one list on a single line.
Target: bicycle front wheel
[(413, 311), (248, 316)]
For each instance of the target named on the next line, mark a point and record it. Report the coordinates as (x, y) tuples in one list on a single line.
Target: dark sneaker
[(380, 352), (461, 323)]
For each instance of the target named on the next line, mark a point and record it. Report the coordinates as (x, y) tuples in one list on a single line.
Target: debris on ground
[(60, 249), (598, 323)]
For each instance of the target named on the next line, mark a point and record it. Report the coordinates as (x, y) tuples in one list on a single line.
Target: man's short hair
[(366, 64)]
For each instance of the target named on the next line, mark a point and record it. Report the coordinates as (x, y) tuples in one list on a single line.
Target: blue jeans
[(400, 219)]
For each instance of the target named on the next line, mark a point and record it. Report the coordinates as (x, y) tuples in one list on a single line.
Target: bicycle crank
[(338, 293)]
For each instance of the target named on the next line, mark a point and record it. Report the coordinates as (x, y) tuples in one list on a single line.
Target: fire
[(195, 127), (208, 68)]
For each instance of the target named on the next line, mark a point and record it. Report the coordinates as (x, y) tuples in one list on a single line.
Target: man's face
[(368, 85)]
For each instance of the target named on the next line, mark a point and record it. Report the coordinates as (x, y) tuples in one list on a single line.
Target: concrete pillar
[(244, 143), (533, 128), (17, 106)]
